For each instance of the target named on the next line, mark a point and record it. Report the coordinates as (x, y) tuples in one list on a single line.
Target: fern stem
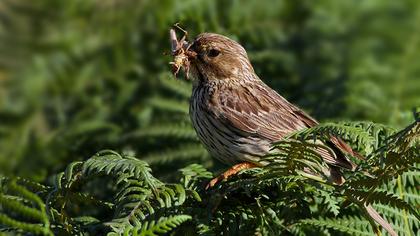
[(401, 192)]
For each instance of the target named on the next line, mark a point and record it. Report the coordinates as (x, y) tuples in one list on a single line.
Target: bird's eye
[(213, 53)]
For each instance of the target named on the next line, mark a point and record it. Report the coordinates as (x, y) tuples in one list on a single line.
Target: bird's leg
[(231, 171)]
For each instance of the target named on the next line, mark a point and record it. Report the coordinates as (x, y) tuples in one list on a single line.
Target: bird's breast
[(222, 140)]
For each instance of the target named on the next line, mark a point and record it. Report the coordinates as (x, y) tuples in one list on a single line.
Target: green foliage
[(348, 225), (86, 75), (163, 225), (17, 202), (280, 198)]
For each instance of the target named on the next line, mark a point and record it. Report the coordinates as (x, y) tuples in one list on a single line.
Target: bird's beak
[(191, 54)]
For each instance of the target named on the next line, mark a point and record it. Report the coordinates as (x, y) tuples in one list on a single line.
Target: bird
[(237, 117)]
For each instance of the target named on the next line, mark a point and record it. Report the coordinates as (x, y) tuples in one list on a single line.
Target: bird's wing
[(260, 111)]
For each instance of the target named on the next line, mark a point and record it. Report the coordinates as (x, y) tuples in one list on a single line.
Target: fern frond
[(350, 132), (396, 214), (411, 178), (178, 86), (155, 227), (398, 218), (291, 156), (26, 210), (111, 163), (170, 105), (330, 201), (348, 225), (385, 198), (402, 140), (137, 205), (412, 195), (183, 152), (163, 225), (26, 227), (193, 173), (379, 132), (17, 207), (179, 131)]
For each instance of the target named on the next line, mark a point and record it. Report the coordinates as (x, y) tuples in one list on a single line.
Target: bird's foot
[(231, 171)]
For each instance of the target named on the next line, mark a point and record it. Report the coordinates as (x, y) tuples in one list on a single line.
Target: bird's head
[(218, 57)]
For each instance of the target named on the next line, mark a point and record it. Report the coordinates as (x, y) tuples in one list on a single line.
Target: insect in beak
[(180, 50)]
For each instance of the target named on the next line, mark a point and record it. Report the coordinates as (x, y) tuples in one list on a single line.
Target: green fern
[(22, 210), (107, 162), (161, 226), (350, 225), (279, 198)]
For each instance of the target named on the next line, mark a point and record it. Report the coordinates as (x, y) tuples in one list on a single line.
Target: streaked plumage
[(237, 116)]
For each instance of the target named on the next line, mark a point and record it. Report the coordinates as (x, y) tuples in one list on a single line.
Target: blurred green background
[(78, 76)]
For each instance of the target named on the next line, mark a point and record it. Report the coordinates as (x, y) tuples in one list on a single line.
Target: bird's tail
[(378, 219)]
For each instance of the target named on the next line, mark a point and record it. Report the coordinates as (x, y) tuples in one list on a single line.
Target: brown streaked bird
[(237, 116)]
